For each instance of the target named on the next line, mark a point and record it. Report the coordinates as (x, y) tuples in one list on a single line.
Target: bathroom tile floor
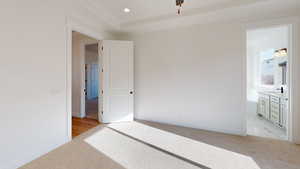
[(258, 126)]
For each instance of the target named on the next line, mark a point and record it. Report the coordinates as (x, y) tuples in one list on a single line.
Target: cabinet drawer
[(275, 118), (264, 97), (275, 106), (275, 99), (275, 110), (275, 113)]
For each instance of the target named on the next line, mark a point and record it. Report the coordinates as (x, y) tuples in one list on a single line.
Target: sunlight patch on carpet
[(198, 152), (132, 154)]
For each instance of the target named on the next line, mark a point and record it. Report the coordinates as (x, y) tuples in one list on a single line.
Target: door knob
[(131, 92)]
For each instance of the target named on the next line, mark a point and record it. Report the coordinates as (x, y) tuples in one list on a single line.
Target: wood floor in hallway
[(81, 125)]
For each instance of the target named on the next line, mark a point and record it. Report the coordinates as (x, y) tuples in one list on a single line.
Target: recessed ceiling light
[(126, 10)]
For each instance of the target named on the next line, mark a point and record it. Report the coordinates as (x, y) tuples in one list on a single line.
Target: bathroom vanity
[(273, 106)]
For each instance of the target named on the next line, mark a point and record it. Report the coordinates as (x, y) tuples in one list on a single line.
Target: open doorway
[(268, 79), (91, 81), (100, 89), (85, 83)]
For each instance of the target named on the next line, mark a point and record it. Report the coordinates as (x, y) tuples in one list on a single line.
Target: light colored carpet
[(198, 152), (132, 154), (104, 148), (107, 149)]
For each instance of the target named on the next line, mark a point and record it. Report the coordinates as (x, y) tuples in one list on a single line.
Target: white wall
[(191, 77), (33, 89), (77, 74), (195, 76), (33, 86), (91, 57)]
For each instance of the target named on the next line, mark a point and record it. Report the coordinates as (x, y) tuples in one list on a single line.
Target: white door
[(118, 91)]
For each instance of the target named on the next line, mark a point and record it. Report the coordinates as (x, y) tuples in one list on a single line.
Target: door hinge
[(102, 112), (102, 92), (102, 48), (102, 70)]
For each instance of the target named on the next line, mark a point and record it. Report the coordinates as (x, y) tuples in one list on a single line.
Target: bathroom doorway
[(268, 79)]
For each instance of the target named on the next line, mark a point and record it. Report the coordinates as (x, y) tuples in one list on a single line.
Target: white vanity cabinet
[(273, 107), (283, 111), (264, 105)]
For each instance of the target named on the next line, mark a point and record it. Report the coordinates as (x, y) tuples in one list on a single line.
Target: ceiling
[(143, 9), (149, 12)]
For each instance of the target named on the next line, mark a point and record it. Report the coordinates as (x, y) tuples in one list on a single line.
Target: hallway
[(92, 109), (80, 126)]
